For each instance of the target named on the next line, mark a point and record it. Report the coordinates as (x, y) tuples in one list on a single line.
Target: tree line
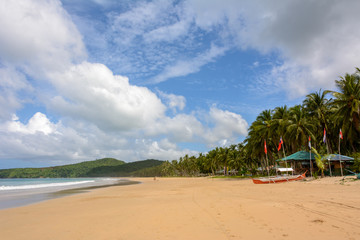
[(321, 113)]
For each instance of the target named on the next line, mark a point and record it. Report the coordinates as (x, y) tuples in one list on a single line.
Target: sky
[(132, 79)]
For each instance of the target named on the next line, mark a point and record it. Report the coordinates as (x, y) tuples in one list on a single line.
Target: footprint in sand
[(318, 221)]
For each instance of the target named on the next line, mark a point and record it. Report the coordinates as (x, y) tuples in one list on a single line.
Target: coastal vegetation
[(336, 112), (106, 167)]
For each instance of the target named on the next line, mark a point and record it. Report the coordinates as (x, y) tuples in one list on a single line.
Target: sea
[(24, 191)]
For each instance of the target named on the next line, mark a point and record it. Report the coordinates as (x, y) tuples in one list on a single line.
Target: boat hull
[(278, 179)]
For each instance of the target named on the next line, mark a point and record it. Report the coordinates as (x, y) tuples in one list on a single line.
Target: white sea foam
[(43, 185)]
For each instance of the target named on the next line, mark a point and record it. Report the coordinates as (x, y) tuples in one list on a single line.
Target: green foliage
[(320, 161), (356, 166), (126, 170), (106, 167)]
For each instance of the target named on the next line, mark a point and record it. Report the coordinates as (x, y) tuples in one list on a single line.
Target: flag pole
[(310, 156), (285, 158), (267, 161), (310, 164), (327, 150), (340, 159)]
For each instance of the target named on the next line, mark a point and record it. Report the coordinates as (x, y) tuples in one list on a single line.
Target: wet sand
[(195, 208), (17, 198)]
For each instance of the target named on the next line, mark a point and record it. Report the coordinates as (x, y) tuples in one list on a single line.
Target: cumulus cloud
[(228, 126), (38, 36), (173, 101), (38, 123), (180, 128), (91, 92), (222, 126), (42, 141)]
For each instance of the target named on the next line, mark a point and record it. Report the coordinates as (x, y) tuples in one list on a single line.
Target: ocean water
[(20, 192), (36, 183)]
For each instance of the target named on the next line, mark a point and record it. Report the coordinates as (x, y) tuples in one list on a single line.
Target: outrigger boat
[(279, 179)]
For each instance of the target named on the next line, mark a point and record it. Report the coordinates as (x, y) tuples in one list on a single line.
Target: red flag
[(340, 135), (324, 138), (310, 142), (265, 149), (280, 143)]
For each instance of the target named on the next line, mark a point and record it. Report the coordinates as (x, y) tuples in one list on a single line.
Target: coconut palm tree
[(318, 109), (300, 127), (347, 106), (280, 122), (320, 161)]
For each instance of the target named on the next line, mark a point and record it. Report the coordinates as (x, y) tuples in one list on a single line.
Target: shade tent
[(301, 161), (299, 156), (338, 157)]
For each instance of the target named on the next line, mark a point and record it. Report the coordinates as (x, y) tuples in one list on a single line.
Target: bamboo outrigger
[(279, 179)]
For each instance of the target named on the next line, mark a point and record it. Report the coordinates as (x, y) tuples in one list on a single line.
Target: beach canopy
[(299, 156), (337, 157), (305, 156)]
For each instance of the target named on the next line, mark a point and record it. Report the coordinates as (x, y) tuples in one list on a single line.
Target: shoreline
[(194, 208), (15, 198)]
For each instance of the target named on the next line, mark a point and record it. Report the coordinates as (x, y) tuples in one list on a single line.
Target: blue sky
[(82, 80)]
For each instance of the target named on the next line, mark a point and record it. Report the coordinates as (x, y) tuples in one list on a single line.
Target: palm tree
[(318, 109), (280, 122), (233, 158), (300, 128), (212, 159), (320, 161), (347, 106)]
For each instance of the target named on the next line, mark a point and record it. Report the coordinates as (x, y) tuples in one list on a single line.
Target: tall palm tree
[(280, 122), (318, 109), (300, 127), (347, 106)]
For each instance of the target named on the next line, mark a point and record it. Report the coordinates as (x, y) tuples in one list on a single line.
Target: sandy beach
[(194, 208)]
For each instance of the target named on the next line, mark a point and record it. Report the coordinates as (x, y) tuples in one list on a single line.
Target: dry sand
[(194, 208)]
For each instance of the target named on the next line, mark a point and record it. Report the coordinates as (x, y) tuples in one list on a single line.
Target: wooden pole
[(267, 161), (286, 160), (311, 166), (330, 167), (340, 159)]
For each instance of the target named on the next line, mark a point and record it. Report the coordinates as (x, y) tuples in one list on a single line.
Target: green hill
[(145, 168), (106, 167), (71, 170)]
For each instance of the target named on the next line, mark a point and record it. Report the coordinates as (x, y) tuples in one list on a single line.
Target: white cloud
[(38, 123), (168, 33), (228, 126), (163, 149), (221, 126), (173, 101), (180, 128), (12, 83), (38, 36), (186, 67), (47, 143), (91, 92), (140, 19)]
